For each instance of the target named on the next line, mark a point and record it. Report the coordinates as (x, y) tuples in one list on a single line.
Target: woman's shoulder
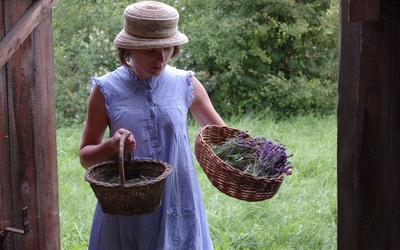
[(117, 80), (119, 73), (173, 71)]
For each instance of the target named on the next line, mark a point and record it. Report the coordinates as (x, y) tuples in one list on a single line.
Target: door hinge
[(25, 224)]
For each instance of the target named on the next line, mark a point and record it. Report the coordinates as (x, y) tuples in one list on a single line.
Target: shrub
[(248, 52), (83, 35), (252, 56)]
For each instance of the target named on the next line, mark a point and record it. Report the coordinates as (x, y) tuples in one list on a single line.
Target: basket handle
[(121, 158)]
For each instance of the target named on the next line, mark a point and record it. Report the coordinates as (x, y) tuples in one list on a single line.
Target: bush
[(248, 52), (252, 56), (83, 35)]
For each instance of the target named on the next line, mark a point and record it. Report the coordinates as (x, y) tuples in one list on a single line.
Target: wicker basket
[(128, 198), (229, 180)]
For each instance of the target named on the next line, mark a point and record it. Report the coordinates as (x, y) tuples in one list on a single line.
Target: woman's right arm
[(93, 148)]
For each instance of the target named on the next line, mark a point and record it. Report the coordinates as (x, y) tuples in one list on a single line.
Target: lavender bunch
[(257, 156)]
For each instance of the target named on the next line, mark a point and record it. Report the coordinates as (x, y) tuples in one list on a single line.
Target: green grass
[(302, 215)]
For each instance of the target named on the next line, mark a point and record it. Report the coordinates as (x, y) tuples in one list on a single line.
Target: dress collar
[(138, 84)]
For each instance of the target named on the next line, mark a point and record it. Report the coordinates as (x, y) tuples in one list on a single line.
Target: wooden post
[(369, 133), (364, 10)]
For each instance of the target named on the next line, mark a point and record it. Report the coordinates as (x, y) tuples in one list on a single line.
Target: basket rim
[(220, 161), (164, 175)]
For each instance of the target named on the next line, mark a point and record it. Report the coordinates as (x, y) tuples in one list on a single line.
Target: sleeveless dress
[(156, 112)]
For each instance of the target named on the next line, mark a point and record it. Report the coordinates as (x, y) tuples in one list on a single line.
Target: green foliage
[(83, 35), (239, 47), (252, 56)]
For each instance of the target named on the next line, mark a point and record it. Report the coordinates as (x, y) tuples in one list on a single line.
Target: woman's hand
[(130, 142)]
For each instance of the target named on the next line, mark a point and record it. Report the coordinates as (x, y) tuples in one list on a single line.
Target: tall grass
[(302, 215)]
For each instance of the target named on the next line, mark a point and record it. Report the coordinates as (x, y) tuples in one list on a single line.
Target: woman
[(150, 100)]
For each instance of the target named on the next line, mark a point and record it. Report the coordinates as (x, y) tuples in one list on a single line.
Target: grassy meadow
[(302, 215)]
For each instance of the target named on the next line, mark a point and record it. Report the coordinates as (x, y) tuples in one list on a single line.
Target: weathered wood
[(395, 180), (347, 128), (391, 12), (17, 76), (5, 174), (45, 136), (5, 177), (31, 131), (364, 11), (369, 135), (375, 172), (26, 24)]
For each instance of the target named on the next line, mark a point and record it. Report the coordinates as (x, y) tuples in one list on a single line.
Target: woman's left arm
[(202, 109)]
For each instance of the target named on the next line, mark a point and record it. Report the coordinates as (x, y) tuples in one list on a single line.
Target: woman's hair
[(124, 55)]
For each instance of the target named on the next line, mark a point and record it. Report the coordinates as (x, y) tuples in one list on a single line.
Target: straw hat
[(150, 24)]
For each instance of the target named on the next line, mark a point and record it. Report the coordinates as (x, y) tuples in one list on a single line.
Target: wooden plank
[(348, 124), (374, 171), (17, 35), (45, 136), (33, 163), (18, 78), (364, 11), (5, 176), (394, 182)]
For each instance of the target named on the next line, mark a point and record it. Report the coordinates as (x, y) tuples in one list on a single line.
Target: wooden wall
[(28, 133), (369, 126)]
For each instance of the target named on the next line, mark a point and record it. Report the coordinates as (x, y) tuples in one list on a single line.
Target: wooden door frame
[(369, 126), (29, 176)]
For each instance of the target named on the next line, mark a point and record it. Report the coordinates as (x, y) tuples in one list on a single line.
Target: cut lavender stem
[(257, 156)]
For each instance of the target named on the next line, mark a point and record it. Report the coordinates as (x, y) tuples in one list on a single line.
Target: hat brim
[(125, 41)]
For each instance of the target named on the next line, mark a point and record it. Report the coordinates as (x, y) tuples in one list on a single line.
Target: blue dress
[(156, 112)]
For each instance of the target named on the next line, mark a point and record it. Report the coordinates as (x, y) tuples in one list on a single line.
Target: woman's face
[(149, 62)]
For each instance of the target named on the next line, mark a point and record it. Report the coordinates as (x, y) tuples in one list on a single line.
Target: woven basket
[(229, 180), (128, 198)]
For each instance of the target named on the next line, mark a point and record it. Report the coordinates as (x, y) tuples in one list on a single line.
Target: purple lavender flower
[(257, 156)]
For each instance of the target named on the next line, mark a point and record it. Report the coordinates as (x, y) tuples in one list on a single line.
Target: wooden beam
[(364, 10), (391, 12), (23, 28), (349, 72), (368, 134)]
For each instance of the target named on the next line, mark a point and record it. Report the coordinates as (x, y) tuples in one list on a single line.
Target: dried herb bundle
[(257, 156)]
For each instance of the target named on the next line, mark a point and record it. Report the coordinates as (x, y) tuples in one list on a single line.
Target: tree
[(258, 56), (264, 55)]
